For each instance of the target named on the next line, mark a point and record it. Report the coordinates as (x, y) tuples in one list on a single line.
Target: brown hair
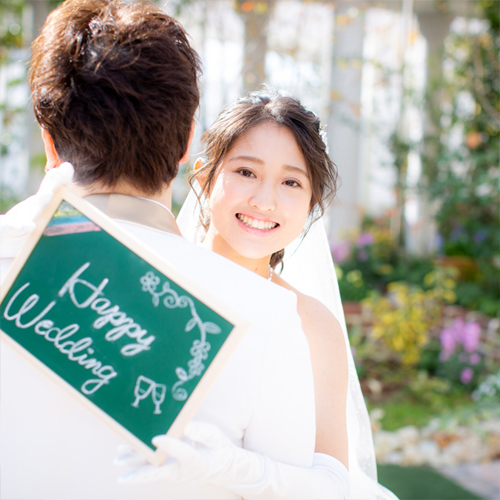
[(271, 106), (116, 87)]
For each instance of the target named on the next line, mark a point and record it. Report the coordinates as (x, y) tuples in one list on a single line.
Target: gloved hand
[(19, 222), (206, 454)]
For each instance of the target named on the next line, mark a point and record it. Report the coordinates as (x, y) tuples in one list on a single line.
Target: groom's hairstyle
[(116, 87)]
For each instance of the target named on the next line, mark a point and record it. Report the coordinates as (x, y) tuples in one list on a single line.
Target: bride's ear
[(201, 176)]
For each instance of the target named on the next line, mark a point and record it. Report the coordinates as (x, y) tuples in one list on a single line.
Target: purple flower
[(470, 336), (466, 334), (340, 252), (480, 236), (362, 256), (447, 339), (365, 239), (466, 375), (474, 358)]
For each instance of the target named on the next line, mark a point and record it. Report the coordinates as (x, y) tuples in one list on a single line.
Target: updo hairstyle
[(269, 106)]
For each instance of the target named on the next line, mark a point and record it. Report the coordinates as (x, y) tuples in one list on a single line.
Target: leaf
[(181, 374), (211, 327), (190, 325)]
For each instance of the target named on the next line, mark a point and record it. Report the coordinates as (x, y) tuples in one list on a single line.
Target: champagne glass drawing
[(158, 396), (142, 390)]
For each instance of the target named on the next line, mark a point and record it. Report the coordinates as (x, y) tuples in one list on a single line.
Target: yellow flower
[(353, 276), (339, 272)]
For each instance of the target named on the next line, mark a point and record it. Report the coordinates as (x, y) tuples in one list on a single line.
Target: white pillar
[(434, 27), (344, 118)]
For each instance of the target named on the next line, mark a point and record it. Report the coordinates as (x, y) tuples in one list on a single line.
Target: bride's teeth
[(256, 224)]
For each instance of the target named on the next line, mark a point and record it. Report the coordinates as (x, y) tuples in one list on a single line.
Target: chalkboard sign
[(137, 342)]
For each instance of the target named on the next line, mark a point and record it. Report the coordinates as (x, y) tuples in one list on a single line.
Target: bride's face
[(261, 195)]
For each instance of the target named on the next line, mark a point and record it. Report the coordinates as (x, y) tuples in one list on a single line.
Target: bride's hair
[(266, 106)]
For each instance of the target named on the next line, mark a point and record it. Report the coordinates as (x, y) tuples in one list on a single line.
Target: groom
[(115, 89)]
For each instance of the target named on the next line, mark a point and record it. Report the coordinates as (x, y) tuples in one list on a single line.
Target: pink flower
[(466, 375), (365, 239), (341, 252), (474, 358), (362, 256), (447, 339), (470, 336)]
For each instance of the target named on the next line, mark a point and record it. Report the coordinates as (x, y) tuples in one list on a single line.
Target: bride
[(261, 189)]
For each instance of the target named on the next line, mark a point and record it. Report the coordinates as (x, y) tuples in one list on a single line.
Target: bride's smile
[(252, 222), (260, 197)]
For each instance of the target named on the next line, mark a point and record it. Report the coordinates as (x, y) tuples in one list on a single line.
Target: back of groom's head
[(116, 87)]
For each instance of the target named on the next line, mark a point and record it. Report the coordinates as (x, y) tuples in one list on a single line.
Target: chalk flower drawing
[(199, 350)]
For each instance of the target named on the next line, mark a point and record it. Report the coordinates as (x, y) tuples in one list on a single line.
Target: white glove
[(206, 454), (19, 222)]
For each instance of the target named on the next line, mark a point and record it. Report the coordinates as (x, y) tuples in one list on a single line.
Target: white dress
[(308, 266)]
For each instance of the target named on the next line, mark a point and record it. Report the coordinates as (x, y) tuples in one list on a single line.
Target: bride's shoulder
[(318, 322)]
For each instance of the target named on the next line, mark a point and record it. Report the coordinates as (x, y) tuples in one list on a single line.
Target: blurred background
[(408, 91)]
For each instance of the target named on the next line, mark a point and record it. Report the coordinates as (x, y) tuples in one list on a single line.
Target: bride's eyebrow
[(293, 169), (247, 158)]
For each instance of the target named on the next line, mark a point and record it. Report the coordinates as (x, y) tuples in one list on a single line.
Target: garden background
[(409, 93)]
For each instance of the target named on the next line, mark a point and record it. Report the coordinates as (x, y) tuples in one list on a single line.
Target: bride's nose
[(263, 198)]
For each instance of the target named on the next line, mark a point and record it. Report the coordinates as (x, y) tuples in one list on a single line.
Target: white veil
[(308, 266)]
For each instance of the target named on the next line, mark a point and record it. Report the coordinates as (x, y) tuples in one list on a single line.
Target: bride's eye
[(245, 172), (292, 183)]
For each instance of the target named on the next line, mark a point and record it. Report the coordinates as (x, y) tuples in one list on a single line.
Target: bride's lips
[(255, 224)]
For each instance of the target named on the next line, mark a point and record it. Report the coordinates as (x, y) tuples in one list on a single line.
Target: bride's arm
[(330, 371)]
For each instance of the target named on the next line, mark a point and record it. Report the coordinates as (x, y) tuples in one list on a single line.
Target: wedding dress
[(308, 266)]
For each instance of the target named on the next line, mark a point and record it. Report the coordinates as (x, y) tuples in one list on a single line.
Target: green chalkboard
[(134, 340)]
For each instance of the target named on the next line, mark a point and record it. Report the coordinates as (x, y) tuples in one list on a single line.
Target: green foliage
[(370, 261), (463, 175), (488, 390), (420, 401), (11, 34), (428, 390), (402, 413)]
